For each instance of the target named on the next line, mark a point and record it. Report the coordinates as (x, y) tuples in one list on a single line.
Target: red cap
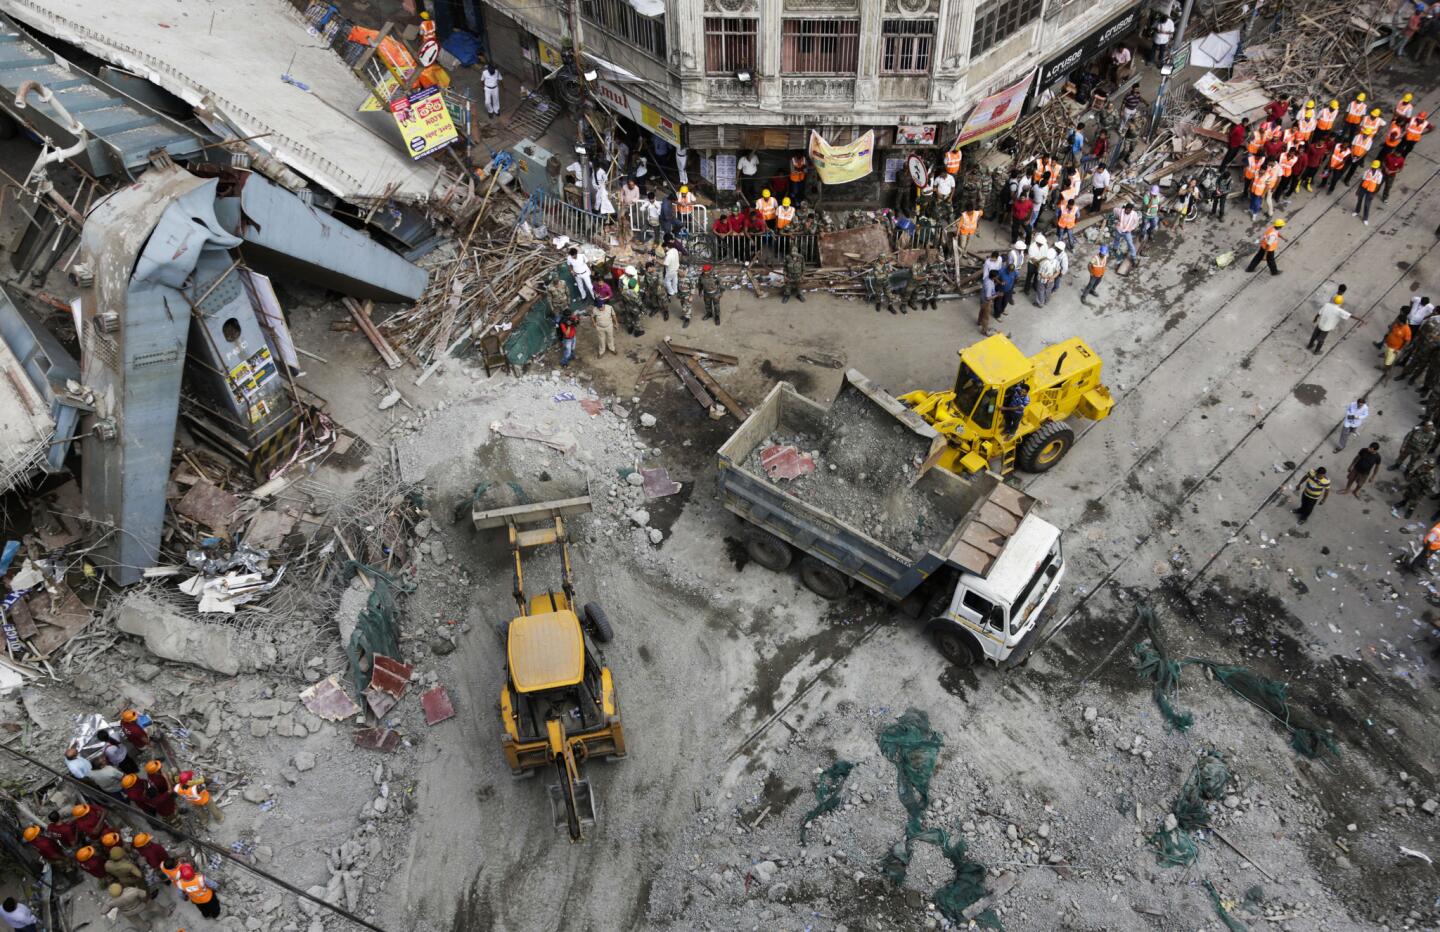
[(705, 268), (186, 776), (187, 872)]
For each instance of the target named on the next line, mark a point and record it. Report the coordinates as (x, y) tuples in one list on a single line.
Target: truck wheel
[(769, 551), (1047, 446), (599, 624), (823, 579), (956, 646)]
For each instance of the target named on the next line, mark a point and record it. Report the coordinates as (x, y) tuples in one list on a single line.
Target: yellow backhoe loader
[(1008, 409), (558, 707)]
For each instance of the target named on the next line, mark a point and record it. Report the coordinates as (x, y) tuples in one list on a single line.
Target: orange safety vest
[(1354, 112), (1272, 178), (1393, 135), (1338, 157), (1273, 131), (970, 222), (195, 795), (195, 889), (783, 216), (766, 206), (1326, 119), (1287, 163), (1257, 140), (1403, 110), (1359, 145), (1416, 128), (684, 202), (952, 161), (1258, 185), (1371, 181), (1097, 266), (172, 875), (1305, 126), (797, 170), (1291, 135), (1370, 125), (1067, 217), (1270, 240), (1256, 163), (1432, 538)]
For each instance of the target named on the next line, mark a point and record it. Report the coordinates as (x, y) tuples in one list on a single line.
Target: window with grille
[(820, 46), (620, 19), (908, 45), (729, 44), (998, 20)]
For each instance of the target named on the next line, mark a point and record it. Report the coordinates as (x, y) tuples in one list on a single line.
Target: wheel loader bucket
[(584, 802)]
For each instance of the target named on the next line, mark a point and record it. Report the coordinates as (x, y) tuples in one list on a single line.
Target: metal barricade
[(578, 224), (764, 248), (693, 223)]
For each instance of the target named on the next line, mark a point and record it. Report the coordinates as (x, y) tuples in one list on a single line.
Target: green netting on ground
[(1231, 923), (914, 747), (532, 336), (1152, 663), (377, 628), (1206, 784), (827, 792)]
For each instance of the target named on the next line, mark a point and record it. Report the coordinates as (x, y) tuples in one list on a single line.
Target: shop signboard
[(1082, 51), (915, 134), (994, 113), (424, 121), (842, 164), (647, 116)]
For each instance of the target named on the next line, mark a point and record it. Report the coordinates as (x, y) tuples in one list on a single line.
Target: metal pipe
[(72, 125)]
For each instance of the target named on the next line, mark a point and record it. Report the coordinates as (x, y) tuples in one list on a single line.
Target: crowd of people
[(128, 767)]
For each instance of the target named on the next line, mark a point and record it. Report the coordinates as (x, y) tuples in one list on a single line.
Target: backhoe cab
[(1008, 409)]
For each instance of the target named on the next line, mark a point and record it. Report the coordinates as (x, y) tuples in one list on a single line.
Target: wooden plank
[(723, 359), (362, 319), (649, 371), (725, 398), (686, 376)]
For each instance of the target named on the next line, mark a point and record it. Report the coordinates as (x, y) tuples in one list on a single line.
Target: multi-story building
[(759, 74)]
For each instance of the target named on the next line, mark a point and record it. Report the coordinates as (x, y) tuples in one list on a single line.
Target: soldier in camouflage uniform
[(652, 289), (710, 294), (629, 306), (1416, 445), (910, 294), (685, 292), (1419, 482), (794, 272), (930, 278), (1421, 357), (878, 277), (557, 293)]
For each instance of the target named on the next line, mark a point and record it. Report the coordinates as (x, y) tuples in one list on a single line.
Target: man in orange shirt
[(1395, 342)]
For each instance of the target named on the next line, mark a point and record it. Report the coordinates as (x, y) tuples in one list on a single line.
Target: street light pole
[(573, 9), (1166, 71)]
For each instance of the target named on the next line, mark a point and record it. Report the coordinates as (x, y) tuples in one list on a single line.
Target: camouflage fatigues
[(877, 276), (1415, 446), (1419, 482), (629, 307), (652, 290), (557, 293), (794, 271), (685, 289), (710, 293)]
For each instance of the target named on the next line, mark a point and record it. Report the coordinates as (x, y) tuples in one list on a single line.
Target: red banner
[(995, 112)]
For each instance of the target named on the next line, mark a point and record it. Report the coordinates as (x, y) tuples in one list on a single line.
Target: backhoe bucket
[(575, 810)]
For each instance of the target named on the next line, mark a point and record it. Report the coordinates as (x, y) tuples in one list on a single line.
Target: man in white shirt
[(944, 186), (1099, 183), (1326, 320), (491, 78), (580, 270), (1355, 414), (747, 165), (672, 269), (1164, 32), (78, 765), (18, 916), (1420, 309)]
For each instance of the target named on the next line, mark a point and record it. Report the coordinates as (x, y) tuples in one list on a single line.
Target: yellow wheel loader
[(1008, 409), (558, 708)]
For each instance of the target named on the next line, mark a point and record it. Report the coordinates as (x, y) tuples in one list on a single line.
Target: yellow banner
[(839, 164), (388, 87), (424, 122)]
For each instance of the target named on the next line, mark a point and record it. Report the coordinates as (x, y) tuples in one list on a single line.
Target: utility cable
[(87, 791)]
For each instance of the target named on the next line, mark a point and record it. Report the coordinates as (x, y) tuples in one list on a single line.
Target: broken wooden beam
[(367, 327), (686, 376), (737, 409)]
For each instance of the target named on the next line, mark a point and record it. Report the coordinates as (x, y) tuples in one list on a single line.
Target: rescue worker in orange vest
[(90, 820), (952, 161), (1405, 107), (1256, 142), (171, 869), (1359, 146), (1418, 126), (784, 214), (191, 788), (90, 861), (197, 890), (766, 206), (1269, 242), (1429, 545), (1325, 119), (1272, 184), (1366, 192), (1305, 123), (429, 53), (1065, 220), (47, 847), (1356, 111), (1254, 165), (1289, 172), (1097, 272), (1394, 135), (1371, 124), (1257, 192), (798, 167), (966, 226), (1338, 157)]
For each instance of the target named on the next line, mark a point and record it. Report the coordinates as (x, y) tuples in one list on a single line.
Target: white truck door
[(984, 616)]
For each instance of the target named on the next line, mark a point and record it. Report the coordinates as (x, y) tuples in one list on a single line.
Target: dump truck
[(558, 707), (1061, 381), (853, 492)]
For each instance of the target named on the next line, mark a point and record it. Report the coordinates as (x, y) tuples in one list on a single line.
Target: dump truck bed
[(870, 507)]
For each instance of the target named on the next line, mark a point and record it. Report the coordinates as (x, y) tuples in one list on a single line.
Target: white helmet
[(1051, 254), (1059, 245), (630, 270), (1019, 244)]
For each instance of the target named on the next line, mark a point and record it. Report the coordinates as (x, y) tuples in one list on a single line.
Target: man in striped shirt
[(1313, 491)]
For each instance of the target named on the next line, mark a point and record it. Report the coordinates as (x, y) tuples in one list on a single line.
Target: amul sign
[(642, 113)]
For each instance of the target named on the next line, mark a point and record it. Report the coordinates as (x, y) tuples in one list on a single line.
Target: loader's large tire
[(822, 579), (768, 550), (1041, 450), (599, 624)]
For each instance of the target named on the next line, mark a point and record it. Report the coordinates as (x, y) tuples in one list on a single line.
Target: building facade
[(761, 73)]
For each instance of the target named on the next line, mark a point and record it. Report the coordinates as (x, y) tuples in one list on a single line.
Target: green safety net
[(377, 628), (1231, 923), (1206, 784), (1152, 664), (536, 332), (827, 792), (914, 748)]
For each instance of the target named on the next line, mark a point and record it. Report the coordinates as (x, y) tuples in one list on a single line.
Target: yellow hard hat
[(1338, 299), (1407, 98), (1360, 96), (78, 811), (1334, 103), (31, 832), (1375, 164), (110, 840), (1309, 103), (85, 853), (424, 15), (765, 193), (786, 202), (1279, 223), (1375, 112), (684, 189)]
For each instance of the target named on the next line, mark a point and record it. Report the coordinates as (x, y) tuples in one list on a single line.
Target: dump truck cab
[(979, 418)]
